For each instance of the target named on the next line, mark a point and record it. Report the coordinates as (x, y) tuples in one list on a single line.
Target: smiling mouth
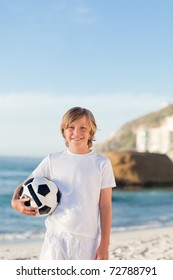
[(76, 139)]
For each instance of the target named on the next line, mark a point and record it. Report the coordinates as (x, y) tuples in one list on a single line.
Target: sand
[(151, 244)]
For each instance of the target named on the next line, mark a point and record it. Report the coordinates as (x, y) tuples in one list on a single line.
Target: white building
[(156, 139)]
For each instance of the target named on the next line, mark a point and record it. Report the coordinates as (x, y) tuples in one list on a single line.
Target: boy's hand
[(19, 205), (101, 253)]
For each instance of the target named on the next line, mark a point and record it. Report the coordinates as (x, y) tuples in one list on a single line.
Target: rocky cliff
[(141, 169), (132, 168), (125, 137)]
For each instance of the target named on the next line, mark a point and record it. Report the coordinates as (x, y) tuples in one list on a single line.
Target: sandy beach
[(151, 244)]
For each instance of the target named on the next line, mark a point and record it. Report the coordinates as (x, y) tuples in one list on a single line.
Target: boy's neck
[(79, 151)]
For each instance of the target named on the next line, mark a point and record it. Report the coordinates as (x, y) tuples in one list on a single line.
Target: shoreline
[(148, 244)]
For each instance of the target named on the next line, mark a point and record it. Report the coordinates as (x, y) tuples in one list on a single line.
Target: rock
[(141, 169)]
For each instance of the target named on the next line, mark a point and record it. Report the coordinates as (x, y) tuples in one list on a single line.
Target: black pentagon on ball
[(43, 189), (44, 210), (58, 196), (21, 192), (27, 203), (34, 195), (29, 181)]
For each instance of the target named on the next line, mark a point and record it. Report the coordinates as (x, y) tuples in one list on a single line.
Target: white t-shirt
[(80, 178)]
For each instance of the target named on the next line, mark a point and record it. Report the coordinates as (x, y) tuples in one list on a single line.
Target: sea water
[(132, 210)]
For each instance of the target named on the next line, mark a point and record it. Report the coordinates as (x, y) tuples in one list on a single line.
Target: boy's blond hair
[(76, 113)]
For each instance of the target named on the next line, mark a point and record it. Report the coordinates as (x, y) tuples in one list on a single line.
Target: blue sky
[(113, 57)]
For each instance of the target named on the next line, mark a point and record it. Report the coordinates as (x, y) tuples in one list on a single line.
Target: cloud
[(84, 14)]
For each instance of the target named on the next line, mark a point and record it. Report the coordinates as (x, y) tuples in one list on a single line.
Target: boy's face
[(77, 136)]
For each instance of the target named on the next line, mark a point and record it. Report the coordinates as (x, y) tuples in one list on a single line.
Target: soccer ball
[(43, 193)]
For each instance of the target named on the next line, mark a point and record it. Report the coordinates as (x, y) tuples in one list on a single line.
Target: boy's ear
[(63, 133)]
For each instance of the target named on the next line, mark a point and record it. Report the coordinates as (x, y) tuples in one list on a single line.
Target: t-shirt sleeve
[(43, 169), (108, 178)]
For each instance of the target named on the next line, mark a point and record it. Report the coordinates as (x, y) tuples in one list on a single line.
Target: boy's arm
[(105, 206)]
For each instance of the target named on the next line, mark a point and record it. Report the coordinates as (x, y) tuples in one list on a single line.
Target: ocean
[(132, 210)]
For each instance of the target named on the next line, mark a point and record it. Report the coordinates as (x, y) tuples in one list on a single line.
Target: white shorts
[(65, 246)]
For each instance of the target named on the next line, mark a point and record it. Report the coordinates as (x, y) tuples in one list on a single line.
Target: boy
[(85, 180)]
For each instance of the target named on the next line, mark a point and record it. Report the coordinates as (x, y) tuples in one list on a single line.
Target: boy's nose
[(76, 131)]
